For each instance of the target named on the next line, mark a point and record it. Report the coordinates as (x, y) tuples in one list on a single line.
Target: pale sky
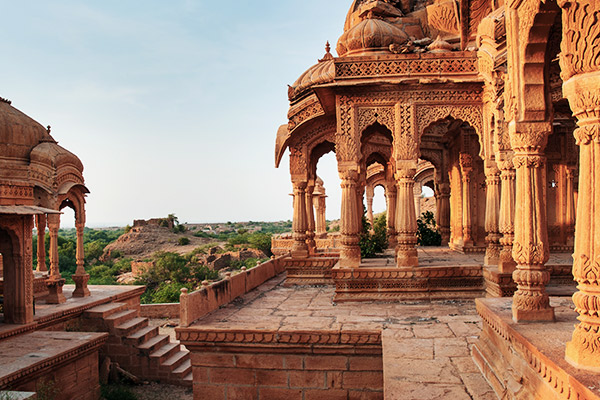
[(172, 106)]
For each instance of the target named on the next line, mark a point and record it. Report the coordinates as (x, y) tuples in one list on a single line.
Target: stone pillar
[(40, 221), (321, 222), (80, 277), (581, 77), (417, 190), (370, 194), (506, 263), (310, 222), (442, 199), (466, 168), (492, 206), (299, 222), (530, 247), (350, 219), (391, 199), (55, 282), (570, 206), (406, 220)]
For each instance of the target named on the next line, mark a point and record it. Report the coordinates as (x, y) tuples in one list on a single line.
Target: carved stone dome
[(55, 156), (19, 134), (369, 36)]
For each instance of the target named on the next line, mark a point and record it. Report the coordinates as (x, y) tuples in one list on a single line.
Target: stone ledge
[(527, 360), (43, 351)]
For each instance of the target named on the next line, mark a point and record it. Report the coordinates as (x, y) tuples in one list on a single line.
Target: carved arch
[(471, 114)]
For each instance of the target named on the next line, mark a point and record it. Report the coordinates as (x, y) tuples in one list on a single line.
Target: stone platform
[(526, 361), (295, 343), (59, 316), (442, 274), (68, 361)]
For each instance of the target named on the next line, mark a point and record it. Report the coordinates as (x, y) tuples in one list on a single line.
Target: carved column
[(417, 190), (370, 195), (507, 264), (55, 282), (391, 198), (321, 223), (530, 247), (570, 206), (350, 219), (581, 76), (80, 277), (442, 198), (40, 221), (299, 222), (492, 206), (466, 168), (310, 223), (406, 220)]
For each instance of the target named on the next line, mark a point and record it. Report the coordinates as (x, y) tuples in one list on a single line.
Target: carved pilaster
[(350, 221), (310, 223), (442, 197), (40, 221), (406, 220), (530, 247), (580, 52), (492, 209), (466, 167), (299, 222), (506, 263)]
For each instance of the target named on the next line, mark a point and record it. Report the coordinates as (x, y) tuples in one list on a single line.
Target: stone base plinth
[(527, 361), (466, 248), (55, 291), (63, 362), (81, 288), (369, 283), (292, 365), (498, 284), (309, 271)]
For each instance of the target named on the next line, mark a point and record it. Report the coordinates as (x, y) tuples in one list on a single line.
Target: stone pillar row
[(55, 282), (506, 263), (466, 167), (350, 219)]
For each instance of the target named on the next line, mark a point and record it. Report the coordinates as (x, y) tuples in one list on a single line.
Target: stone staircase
[(137, 347)]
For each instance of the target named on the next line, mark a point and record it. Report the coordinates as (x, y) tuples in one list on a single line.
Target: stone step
[(120, 318), (184, 369), (131, 326), (165, 352), (188, 380), (104, 310), (141, 336), (176, 360), (153, 344)]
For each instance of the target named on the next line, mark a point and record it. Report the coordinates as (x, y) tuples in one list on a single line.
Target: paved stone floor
[(426, 345)]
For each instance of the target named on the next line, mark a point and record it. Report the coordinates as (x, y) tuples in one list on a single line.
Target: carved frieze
[(312, 108)]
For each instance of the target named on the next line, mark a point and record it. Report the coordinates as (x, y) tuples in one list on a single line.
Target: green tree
[(427, 231)]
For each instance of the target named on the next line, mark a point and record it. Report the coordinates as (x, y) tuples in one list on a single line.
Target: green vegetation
[(183, 241), (376, 242), (95, 240), (117, 392), (170, 273), (242, 238), (427, 231)]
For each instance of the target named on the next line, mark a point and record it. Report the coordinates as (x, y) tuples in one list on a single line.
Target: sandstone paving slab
[(436, 330), (451, 347), (401, 390), (415, 349)]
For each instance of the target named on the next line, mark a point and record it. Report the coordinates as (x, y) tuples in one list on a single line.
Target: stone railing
[(328, 245), (195, 305), (160, 310)]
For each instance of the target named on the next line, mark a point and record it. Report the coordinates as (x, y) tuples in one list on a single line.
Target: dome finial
[(328, 56), (48, 128)]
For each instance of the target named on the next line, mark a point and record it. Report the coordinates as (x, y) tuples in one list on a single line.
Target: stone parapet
[(526, 361), (211, 296)]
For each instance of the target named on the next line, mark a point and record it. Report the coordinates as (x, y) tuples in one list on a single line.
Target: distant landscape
[(165, 255)]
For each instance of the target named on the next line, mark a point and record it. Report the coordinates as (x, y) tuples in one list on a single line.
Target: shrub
[(183, 241), (165, 292), (427, 231), (376, 242)]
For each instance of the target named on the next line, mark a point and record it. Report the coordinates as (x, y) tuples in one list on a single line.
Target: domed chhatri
[(371, 35)]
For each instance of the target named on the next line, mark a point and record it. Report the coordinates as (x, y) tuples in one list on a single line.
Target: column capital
[(529, 137)]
